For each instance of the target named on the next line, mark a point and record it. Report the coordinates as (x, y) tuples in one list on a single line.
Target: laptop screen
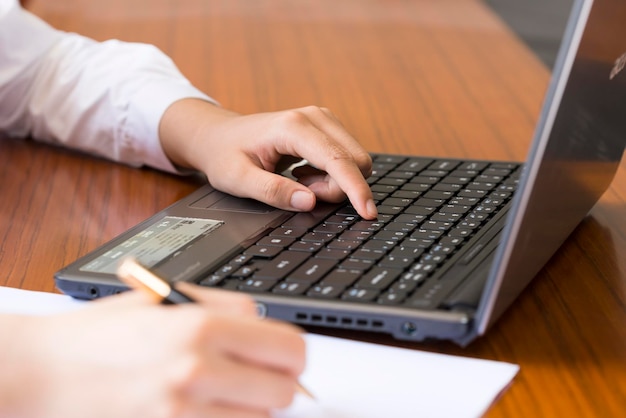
[(578, 144)]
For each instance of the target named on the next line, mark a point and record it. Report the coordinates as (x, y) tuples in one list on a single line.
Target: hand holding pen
[(264, 353)]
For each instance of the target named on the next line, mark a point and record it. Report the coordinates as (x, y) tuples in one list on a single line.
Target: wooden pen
[(139, 277)]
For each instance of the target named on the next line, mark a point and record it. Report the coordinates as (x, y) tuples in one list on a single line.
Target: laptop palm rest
[(221, 201)]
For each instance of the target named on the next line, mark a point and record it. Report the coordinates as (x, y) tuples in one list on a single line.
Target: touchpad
[(222, 201)]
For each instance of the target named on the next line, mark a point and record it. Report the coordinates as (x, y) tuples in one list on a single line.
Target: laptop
[(456, 240)]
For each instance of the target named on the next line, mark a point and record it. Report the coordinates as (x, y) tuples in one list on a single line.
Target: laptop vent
[(341, 321)]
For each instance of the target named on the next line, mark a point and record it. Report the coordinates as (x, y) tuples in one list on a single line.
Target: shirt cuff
[(146, 109)]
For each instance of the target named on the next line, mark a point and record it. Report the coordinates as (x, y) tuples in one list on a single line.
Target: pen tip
[(305, 392)]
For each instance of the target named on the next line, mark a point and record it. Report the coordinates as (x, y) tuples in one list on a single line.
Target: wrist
[(183, 124)]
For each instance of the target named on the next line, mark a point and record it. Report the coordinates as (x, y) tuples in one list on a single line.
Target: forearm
[(102, 98)]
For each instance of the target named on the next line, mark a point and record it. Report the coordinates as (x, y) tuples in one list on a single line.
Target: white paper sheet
[(354, 379)]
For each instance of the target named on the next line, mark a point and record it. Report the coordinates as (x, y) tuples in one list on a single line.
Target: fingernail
[(301, 200), (372, 211)]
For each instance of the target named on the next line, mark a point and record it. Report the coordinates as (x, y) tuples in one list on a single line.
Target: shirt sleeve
[(105, 98)]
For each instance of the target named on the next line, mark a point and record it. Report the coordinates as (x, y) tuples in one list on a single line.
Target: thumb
[(279, 191)]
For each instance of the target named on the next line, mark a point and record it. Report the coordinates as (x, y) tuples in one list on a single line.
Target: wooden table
[(439, 78)]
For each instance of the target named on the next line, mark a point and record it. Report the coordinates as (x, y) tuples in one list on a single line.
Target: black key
[(448, 187), (325, 291), (414, 164), (380, 245), (463, 200), (420, 210), (422, 179), (391, 298), (378, 196), (355, 264), (212, 280), (400, 226), (371, 226), (415, 187), (341, 277), (367, 254), (395, 261), (398, 174), (446, 217), (243, 272), (360, 295), (256, 285), (355, 235), (426, 234), (347, 210), (462, 209), (460, 232), (384, 165), (456, 180), (312, 270), (403, 286), (384, 188), (444, 165), (341, 244), (394, 201), (492, 201), (429, 203), (433, 258), (378, 278), (451, 241), (488, 178), (417, 243), (392, 181), (317, 237), (434, 173), (437, 225), (438, 194), (441, 249), (473, 165), (411, 218), (291, 288), (282, 265), (472, 193), (230, 284), (406, 194), (282, 242), (331, 254), (263, 251), (288, 232), (475, 185), (386, 235), (341, 219), (326, 228), (240, 259), (425, 268), (307, 247), (389, 159), (390, 210)]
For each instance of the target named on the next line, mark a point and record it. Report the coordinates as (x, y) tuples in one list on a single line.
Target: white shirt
[(105, 98)]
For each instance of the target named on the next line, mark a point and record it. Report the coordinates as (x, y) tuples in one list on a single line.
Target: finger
[(229, 381), (202, 410), (268, 343), (276, 190), (327, 154), (323, 186), (327, 122)]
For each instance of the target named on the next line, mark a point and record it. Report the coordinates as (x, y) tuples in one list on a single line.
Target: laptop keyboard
[(428, 210)]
